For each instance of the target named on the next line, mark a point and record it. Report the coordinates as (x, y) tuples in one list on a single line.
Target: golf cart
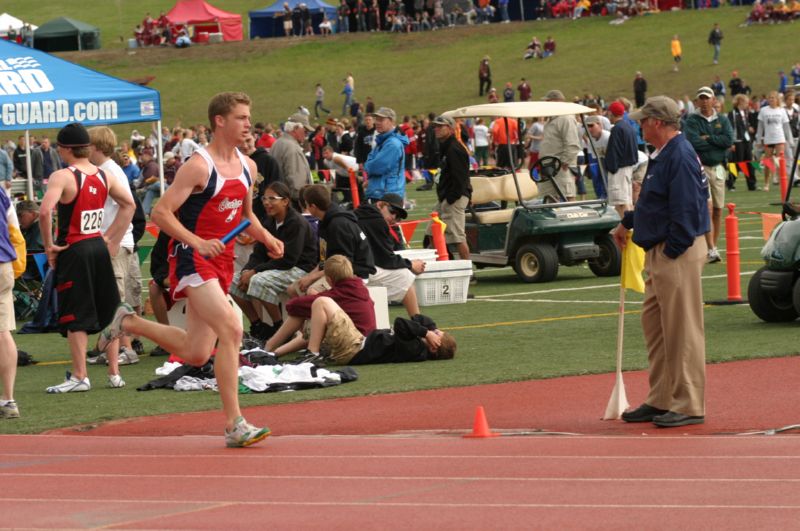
[(774, 290), (540, 230)]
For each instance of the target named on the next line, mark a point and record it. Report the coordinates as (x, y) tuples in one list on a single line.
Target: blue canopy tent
[(41, 91), (268, 22)]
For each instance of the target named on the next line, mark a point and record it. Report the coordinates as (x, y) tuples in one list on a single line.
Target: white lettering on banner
[(11, 84), (37, 81), (24, 82), (62, 110), (54, 111)]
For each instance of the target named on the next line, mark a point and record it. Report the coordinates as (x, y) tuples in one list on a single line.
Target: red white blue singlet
[(210, 214)]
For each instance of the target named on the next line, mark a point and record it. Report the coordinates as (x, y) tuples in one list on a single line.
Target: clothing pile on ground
[(268, 376)]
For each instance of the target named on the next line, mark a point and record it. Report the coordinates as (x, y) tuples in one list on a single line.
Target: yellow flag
[(632, 266), (18, 241), (733, 170)]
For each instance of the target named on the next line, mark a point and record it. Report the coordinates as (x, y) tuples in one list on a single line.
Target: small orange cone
[(480, 429)]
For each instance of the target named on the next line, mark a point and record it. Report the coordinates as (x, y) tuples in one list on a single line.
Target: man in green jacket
[(711, 135)]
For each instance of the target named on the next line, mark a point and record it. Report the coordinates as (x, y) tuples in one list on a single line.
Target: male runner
[(85, 281), (212, 191)]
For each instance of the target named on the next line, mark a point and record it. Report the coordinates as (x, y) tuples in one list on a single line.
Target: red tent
[(206, 19)]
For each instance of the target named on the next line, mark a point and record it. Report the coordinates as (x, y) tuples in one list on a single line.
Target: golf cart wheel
[(536, 262), (609, 263), (768, 307)]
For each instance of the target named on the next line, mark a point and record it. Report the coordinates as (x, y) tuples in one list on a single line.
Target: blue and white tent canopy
[(41, 91)]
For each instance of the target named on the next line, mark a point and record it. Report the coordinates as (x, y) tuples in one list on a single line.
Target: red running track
[(741, 396), (395, 482)]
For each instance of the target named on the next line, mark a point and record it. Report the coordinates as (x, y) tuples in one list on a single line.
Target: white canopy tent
[(10, 21)]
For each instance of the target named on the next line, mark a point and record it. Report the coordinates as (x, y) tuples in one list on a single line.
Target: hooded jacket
[(299, 245), (385, 165), (403, 345), (454, 180), (380, 239), (339, 233)]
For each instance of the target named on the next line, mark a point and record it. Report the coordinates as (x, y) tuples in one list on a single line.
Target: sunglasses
[(272, 198)]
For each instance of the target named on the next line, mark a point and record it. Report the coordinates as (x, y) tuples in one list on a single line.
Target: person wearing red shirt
[(348, 291)]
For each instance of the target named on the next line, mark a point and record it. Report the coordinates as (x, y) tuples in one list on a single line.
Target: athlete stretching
[(211, 193)]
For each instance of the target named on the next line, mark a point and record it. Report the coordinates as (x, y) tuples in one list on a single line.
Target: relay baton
[(234, 233)]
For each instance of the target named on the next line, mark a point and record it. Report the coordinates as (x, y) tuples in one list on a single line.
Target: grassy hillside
[(432, 71)]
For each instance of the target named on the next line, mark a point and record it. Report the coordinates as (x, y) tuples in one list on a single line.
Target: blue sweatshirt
[(386, 165), (673, 203), (622, 147)]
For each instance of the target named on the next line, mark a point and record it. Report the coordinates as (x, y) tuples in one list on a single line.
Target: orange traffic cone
[(480, 429)]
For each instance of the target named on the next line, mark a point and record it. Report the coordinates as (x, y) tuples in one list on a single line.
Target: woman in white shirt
[(773, 132)]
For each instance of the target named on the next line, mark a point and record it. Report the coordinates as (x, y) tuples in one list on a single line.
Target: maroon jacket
[(351, 294)]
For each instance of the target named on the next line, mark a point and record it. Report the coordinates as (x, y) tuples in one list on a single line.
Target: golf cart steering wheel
[(548, 168)]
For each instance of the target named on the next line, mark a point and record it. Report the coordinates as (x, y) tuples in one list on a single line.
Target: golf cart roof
[(520, 109)]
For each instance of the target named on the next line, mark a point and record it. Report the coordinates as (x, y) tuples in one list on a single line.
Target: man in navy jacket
[(670, 221)]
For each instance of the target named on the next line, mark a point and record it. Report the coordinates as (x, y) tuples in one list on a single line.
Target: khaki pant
[(672, 320)]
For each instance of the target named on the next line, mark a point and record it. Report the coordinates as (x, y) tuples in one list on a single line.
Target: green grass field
[(431, 71), (511, 331)]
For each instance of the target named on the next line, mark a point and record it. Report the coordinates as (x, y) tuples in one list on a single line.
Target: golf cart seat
[(502, 189)]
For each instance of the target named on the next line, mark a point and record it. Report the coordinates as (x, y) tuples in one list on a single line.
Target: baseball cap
[(554, 95), (592, 119), (444, 120), (661, 108), (616, 108), (704, 92), (302, 119), (73, 135), (385, 112), (396, 202)]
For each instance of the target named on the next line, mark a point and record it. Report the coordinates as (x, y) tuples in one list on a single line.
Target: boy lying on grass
[(335, 338), (342, 326)]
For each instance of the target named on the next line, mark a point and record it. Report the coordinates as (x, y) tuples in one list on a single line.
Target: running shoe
[(128, 356), (114, 329), (9, 410), (713, 256), (115, 381), (99, 359), (70, 385), (244, 434)]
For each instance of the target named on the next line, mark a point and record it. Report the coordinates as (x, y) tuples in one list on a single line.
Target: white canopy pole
[(28, 164), (160, 152)]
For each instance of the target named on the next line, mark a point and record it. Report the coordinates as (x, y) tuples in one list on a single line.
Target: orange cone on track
[(480, 429)]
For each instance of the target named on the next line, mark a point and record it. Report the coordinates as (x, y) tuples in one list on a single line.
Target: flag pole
[(618, 402)]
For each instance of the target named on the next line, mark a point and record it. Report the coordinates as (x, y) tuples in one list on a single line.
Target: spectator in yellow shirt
[(676, 52)]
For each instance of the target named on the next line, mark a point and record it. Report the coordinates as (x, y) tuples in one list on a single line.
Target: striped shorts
[(268, 285)]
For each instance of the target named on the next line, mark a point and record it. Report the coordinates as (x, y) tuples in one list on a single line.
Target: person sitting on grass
[(347, 290), (335, 338), (264, 280)]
